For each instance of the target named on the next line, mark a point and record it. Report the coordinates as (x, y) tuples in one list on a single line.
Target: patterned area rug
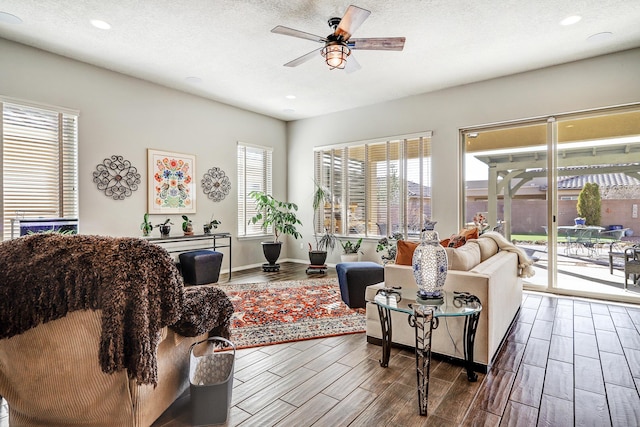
[(276, 312)]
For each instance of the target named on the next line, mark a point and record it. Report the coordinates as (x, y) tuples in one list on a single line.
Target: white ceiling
[(228, 44)]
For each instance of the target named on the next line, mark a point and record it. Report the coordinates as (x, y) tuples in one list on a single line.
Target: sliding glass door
[(597, 195), (535, 180), (507, 183)]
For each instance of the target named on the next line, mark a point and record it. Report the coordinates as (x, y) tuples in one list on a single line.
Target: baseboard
[(477, 367)]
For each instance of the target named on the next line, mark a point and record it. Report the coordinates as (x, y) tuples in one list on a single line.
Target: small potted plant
[(350, 250), (187, 226), (211, 225), (326, 241), (388, 247), (146, 226), (165, 228)]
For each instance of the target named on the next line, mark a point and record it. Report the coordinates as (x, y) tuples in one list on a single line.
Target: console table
[(180, 244), (423, 316)]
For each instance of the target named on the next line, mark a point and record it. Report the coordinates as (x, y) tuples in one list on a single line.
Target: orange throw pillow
[(404, 256), (469, 233), (457, 240)]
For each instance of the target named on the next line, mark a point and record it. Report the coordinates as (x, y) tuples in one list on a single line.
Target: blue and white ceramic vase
[(430, 266)]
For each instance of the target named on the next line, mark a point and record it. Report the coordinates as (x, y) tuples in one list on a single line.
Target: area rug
[(277, 312)]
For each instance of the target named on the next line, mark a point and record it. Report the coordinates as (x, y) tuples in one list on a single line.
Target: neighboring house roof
[(603, 180)]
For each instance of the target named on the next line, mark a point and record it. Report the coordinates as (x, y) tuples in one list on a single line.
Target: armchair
[(95, 331)]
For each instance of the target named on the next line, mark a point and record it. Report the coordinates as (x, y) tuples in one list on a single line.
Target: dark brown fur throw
[(135, 284)]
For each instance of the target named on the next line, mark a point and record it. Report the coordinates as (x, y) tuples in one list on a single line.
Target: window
[(376, 188), (39, 163), (254, 174)]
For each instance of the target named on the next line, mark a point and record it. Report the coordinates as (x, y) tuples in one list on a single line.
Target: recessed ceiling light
[(193, 79), (100, 24), (570, 20), (7, 18), (599, 37), (290, 97)]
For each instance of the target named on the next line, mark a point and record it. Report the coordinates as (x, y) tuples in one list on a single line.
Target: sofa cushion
[(457, 240), (488, 248), (404, 256), (463, 258)]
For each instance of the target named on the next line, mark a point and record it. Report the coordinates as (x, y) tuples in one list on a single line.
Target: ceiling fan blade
[(352, 65), (351, 21), (304, 58), (378, 43), (297, 33)]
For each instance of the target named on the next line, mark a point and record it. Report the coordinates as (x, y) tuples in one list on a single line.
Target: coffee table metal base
[(423, 322)]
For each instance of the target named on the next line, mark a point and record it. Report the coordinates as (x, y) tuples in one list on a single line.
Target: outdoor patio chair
[(631, 265)]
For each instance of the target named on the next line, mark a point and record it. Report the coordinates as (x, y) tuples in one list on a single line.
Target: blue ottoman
[(354, 277), (200, 267)]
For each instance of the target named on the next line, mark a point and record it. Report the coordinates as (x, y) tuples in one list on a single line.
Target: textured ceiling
[(228, 44)]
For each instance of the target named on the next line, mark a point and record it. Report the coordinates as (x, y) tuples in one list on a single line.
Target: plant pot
[(271, 251), (349, 257), (580, 221), (188, 231), (207, 229), (165, 230), (317, 257)]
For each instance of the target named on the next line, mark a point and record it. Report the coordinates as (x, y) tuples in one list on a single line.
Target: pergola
[(509, 172)]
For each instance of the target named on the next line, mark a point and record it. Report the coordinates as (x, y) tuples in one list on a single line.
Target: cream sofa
[(478, 267)]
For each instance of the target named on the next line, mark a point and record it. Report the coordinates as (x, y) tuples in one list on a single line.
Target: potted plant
[(165, 228), (350, 250), (388, 247), (213, 224), (281, 217), (325, 241), (187, 226), (146, 226)]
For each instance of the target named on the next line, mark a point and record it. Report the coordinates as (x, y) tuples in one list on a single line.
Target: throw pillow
[(469, 233), (404, 256), (457, 240), (463, 258), (488, 248)]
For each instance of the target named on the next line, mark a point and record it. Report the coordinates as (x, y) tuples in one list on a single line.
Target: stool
[(200, 267), (354, 277)]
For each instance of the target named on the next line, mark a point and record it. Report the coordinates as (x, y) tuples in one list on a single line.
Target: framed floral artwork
[(172, 187)]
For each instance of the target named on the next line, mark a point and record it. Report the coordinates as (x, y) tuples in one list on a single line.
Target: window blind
[(254, 174), (377, 187), (39, 164)]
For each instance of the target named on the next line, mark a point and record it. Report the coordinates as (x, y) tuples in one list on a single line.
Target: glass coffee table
[(424, 317)]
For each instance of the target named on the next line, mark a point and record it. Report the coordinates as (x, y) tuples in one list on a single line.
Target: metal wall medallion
[(116, 177), (216, 184)]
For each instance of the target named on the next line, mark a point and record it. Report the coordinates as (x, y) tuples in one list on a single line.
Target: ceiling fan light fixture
[(335, 54)]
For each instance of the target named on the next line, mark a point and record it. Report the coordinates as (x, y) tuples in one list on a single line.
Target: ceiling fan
[(339, 44)]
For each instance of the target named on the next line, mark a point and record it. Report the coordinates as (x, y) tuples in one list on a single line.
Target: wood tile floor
[(565, 362)]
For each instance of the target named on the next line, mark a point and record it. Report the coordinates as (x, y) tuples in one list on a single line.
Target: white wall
[(125, 116), (599, 82)]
